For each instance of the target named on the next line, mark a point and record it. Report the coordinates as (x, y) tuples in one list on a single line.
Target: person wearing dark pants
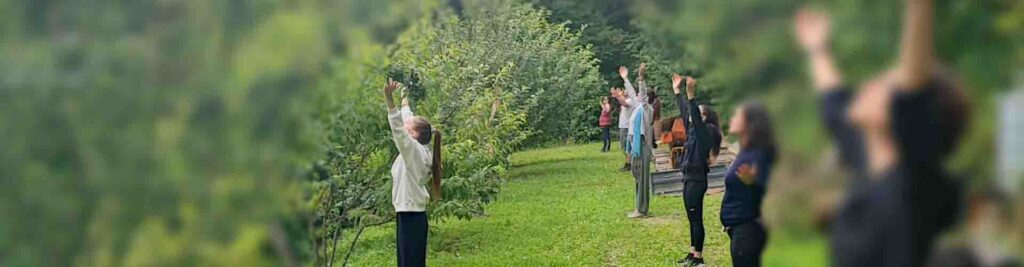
[(410, 173), (695, 186), (694, 166), (746, 182), (748, 241), (605, 122), (411, 238)]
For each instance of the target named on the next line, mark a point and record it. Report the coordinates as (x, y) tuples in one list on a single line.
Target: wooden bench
[(667, 180)]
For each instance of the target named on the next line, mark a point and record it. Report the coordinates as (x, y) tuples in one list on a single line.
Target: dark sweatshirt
[(891, 219), (742, 202), (698, 141)]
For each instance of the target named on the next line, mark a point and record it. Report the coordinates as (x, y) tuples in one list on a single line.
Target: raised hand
[(691, 87), (747, 173), (812, 29), (676, 81), (391, 86), (641, 70), (389, 92), (624, 73)]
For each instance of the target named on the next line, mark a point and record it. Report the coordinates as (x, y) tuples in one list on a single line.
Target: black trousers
[(606, 135), (694, 187), (411, 236), (748, 241)]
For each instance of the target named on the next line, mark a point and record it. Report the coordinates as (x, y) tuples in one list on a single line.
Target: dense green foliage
[(488, 80), (154, 133), (217, 132)]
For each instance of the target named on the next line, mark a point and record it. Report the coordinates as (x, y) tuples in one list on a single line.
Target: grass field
[(567, 206)]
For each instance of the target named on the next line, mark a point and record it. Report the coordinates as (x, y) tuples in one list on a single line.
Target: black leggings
[(606, 135), (411, 236), (748, 240), (694, 187)]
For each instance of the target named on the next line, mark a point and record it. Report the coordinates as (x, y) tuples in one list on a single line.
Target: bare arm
[(812, 30), (917, 51), (389, 93)]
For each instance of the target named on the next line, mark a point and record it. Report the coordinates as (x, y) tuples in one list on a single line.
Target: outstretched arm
[(677, 80), (641, 81), (406, 110), (691, 95), (407, 147), (812, 31), (917, 51), (630, 91)]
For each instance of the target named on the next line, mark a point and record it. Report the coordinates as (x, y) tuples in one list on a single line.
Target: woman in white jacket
[(410, 174)]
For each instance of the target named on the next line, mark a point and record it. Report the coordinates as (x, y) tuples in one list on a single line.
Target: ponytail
[(435, 181)]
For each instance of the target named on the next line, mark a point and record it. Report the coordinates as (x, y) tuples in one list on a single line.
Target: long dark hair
[(712, 116), (759, 132)]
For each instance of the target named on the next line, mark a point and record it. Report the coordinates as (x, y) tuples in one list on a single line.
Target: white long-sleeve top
[(628, 107), (411, 170), (640, 101)]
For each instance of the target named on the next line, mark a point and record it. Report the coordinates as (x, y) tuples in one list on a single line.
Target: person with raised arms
[(893, 135), (415, 166), (694, 166), (626, 107), (640, 136)]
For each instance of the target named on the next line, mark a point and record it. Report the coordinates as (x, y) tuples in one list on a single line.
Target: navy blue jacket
[(698, 139), (742, 202)]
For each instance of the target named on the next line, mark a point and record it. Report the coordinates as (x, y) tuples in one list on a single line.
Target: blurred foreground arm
[(813, 33), (917, 51)]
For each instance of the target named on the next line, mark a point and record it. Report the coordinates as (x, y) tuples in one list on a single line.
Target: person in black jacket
[(893, 135), (694, 167)]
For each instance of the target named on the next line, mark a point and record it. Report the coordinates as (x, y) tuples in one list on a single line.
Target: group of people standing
[(892, 135), (745, 181)]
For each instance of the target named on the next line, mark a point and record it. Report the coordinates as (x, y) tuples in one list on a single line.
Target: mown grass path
[(567, 206)]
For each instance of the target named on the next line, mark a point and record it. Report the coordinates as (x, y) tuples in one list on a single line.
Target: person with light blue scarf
[(641, 139)]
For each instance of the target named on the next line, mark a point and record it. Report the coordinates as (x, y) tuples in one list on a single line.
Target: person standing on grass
[(410, 173), (746, 182), (694, 167), (893, 135), (627, 104), (640, 136), (605, 122)]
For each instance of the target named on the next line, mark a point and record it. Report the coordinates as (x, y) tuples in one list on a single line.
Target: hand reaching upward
[(641, 70), (812, 29), (676, 81), (691, 87), (389, 92), (624, 73), (391, 86)]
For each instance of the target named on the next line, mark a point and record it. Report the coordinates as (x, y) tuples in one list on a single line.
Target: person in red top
[(606, 123)]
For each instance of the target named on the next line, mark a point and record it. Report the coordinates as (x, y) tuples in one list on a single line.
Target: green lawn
[(567, 206)]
